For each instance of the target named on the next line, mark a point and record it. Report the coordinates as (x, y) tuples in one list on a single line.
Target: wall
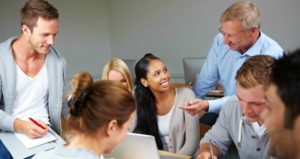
[(92, 31), (173, 29), (84, 31)]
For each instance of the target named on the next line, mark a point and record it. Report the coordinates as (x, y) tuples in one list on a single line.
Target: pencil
[(211, 150)]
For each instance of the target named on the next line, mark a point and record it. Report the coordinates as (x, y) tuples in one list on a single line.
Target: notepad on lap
[(29, 143), (18, 150)]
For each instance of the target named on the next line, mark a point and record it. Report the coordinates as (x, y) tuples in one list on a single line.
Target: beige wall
[(92, 31)]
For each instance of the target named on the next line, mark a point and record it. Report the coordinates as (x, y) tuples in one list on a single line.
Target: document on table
[(29, 143)]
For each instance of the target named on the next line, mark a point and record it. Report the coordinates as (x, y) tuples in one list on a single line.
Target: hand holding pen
[(40, 129), (31, 129), (207, 151)]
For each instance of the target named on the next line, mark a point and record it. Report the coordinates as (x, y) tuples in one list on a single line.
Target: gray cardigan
[(184, 128), (56, 65), (226, 131)]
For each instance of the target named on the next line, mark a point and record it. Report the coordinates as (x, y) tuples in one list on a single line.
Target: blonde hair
[(118, 65), (255, 71), (244, 11)]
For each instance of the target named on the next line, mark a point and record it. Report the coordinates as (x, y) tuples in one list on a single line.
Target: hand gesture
[(195, 106)]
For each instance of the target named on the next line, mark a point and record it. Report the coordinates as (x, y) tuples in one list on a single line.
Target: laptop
[(137, 146)]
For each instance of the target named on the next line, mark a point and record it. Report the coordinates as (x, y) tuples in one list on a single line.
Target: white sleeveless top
[(163, 123), (31, 96)]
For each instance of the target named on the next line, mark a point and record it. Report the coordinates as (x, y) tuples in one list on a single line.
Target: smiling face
[(273, 115), (158, 77), (236, 37), (42, 36), (117, 76), (252, 102)]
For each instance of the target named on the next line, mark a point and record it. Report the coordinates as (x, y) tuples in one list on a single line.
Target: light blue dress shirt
[(222, 64)]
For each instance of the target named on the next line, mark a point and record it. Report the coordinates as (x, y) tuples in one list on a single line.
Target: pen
[(36, 123), (211, 150)]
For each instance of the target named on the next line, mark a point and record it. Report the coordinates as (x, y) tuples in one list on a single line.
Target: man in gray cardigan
[(32, 75), (239, 122)]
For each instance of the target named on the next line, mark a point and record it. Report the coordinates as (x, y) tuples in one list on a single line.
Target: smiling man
[(32, 74), (239, 122), (239, 38)]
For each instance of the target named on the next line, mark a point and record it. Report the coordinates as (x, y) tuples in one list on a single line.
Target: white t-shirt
[(163, 123), (31, 96), (259, 129)]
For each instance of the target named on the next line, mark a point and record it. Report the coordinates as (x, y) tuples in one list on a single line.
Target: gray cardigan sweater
[(183, 129), (227, 129), (56, 65)]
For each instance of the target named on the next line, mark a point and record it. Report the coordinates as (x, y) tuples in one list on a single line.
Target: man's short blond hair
[(255, 71), (243, 11)]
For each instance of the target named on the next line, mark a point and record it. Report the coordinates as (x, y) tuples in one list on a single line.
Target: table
[(172, 155)]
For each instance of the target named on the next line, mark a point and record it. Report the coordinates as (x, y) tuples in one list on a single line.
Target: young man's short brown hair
[(33, 9), (255, 71)]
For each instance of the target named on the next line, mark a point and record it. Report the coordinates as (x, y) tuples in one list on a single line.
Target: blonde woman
[(116, 69)]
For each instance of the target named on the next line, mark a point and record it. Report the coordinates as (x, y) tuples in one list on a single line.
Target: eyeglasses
[(231, 36)]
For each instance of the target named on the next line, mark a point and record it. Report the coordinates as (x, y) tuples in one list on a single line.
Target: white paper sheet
[(29, 143)]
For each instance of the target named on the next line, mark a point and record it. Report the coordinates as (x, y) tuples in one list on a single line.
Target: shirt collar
[(255, 49)]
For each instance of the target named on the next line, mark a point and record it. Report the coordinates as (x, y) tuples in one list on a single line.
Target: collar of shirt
[(255, 49)]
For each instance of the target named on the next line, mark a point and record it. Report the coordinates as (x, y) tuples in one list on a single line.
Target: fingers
[(34, 131), (206, 155), (37, 133), (193, 106)]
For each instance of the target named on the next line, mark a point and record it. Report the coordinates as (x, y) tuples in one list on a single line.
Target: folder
[(18, 150)]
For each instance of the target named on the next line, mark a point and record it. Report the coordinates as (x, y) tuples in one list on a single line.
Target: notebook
[(18, 150), (30, 143)]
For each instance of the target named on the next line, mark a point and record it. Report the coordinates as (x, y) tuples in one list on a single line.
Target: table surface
[(212, 93), (173, 155)]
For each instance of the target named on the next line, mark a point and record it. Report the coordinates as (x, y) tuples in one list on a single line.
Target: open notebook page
[(29, 143)]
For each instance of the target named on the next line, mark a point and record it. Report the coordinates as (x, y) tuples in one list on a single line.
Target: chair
[(191, 67)]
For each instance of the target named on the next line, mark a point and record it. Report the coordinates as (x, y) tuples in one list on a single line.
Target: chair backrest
[(131, 64), (191, 67)]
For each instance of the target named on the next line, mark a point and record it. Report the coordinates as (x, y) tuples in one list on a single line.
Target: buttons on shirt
[(258, 149), (253, 137)]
